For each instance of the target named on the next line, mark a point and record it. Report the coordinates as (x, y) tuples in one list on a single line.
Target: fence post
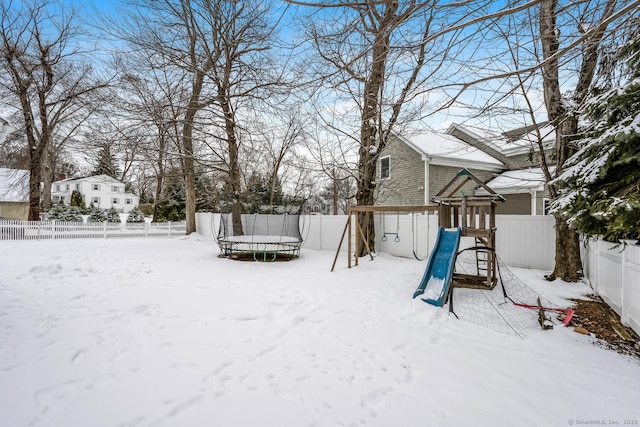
[(169, 228), (53, 229), (104, 229), (146, 229), (624, 315)]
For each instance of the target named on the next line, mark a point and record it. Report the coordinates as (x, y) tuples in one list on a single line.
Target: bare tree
[(381, 56), (46, 79), (221, 47), (556, 48)]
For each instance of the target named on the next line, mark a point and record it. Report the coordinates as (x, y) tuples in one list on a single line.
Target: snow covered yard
[(161, 332)]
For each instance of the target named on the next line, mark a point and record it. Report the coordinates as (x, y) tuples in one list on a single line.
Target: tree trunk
[(568, 265), (47, 178), (234, 180), (370, 142), (35, 169), (188, 173)]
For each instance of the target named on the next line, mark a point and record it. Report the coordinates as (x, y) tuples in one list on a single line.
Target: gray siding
[(405, 185), (515, 204), (439, 176)]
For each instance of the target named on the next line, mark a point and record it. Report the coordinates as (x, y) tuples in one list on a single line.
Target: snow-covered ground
[(162, 332)]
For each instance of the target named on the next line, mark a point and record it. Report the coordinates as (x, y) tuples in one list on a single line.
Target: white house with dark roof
[(101, 190)]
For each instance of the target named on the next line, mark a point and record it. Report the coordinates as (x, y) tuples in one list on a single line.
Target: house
[(524, 192), (14, 194), (5, 128), (523, 183), (412, 168), (101, 190)]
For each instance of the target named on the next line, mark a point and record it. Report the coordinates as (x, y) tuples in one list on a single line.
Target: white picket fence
[(613, 270), (40, 230)]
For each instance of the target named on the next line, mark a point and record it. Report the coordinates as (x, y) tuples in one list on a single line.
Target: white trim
[(426, 180), (388, 167)]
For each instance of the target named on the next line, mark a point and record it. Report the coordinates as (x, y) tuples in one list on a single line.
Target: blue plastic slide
[(437, 277)]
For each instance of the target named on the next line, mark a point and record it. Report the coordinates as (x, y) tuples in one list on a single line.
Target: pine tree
[(603, 196), (173, 204), (96, 214), (106, 163), (77, 200), (113, 216), (135, 216), (64, 213)]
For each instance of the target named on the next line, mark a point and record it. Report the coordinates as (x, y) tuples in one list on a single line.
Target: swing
[(413, 239), (384, 232)]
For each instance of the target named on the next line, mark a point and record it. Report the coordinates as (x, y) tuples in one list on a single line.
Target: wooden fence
[(40, 230)]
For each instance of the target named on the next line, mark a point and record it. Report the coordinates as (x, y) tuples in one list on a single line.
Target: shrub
[(135, 216), (62, 212), (113, 216), (96, 214)]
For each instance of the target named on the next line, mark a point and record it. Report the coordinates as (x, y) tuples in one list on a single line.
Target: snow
[(443, 146), (261, 239), (14, 185), (517, 181), (162, 332), (433, 289)]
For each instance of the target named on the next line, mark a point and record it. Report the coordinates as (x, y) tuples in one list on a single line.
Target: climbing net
[(511, 307)]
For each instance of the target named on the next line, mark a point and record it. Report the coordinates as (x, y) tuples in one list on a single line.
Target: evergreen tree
[(113, 216), (96, 214), (77, 200), (106, 163), (603, 197), (62, 212), (135, 216), (173, 206)]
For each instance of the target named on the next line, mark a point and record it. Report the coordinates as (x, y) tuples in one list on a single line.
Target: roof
[(448, 150), (509, 143), (518, 181), (92, 178), (14, 185)]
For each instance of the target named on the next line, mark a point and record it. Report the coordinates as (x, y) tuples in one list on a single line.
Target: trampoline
[(265, 237)]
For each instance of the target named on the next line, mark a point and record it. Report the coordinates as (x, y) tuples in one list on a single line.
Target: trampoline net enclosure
[(265, 236)]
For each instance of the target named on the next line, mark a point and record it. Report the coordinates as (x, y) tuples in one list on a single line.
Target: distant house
[(5, 128), (523, 183), (14, 194), (101, 190), (413, 168), (524, 192)]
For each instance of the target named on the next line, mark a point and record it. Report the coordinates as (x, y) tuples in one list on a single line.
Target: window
[(66, 187), (96, 187), (385, 166), (546, 204), (57, 187), (78, 187), (114, 188), (127, 201), (114, 200), (95, 201)]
